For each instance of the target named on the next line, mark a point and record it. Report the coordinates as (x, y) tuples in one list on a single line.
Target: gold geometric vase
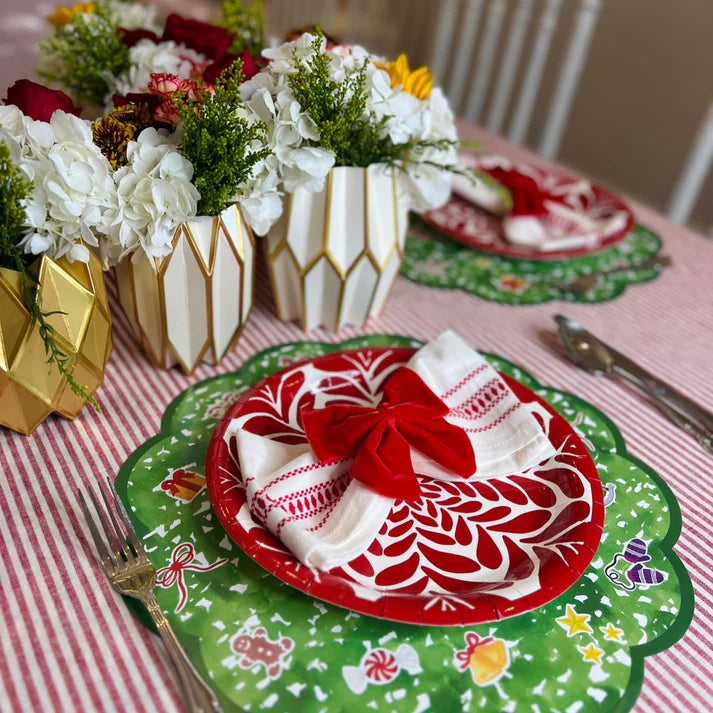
[(191, 305), (31, 389)]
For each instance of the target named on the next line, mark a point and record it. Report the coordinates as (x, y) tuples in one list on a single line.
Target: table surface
[(67, 643)]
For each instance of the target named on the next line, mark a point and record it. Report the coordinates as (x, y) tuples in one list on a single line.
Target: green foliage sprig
[(82, 54), (346, 125), (219, 142), (246, 23), (14, 188)]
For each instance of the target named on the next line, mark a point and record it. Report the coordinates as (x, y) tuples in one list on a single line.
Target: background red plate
[(451, 218), (473, 603)]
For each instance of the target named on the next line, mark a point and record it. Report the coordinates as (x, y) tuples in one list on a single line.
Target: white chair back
[(693, 175), (469, 41), (482, 50)]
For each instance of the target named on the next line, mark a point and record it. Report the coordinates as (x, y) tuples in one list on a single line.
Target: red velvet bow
[(410, 414), (527, 197)]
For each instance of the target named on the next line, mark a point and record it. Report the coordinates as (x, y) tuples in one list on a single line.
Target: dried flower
[(136, 115), (112, 137), (113, 133)]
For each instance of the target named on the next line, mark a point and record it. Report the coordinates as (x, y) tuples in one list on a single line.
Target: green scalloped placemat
[(438, 261), (266, 646)]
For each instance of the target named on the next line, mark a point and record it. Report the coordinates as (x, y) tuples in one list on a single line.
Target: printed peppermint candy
[(380, 666)]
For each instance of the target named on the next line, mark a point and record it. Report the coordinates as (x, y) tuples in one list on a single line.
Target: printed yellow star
[(591, 653), (611, 633), (575, 623)]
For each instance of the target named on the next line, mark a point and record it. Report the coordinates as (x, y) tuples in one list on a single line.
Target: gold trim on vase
[(238, 246), (290, 275)]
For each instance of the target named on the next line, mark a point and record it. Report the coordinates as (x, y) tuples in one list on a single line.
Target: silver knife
[(593, 355)]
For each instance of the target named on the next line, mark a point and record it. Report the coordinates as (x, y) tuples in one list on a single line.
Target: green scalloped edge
[(620, 286), (638, 652)]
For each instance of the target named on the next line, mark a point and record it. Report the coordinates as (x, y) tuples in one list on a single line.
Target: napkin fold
[(543, 216), (326, 518)]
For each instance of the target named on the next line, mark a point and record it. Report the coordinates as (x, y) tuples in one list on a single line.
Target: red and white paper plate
[(464, 553), (475, 227)]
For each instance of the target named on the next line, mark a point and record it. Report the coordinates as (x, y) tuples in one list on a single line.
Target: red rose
[(39, 102), (250, 66), (209, 40), (131, 37)]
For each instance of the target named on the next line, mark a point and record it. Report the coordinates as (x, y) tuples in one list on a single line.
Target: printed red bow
[(409, 415)]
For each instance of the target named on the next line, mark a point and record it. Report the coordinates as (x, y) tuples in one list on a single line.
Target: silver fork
[(131, 573)]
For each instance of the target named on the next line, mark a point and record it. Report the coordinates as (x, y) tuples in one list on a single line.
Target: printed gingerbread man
[(256, 648)]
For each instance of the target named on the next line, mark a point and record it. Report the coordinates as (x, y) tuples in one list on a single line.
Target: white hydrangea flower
[(135, 16), (302, 163), (148, 57), (72, 181), (154, 194), (34, 137)]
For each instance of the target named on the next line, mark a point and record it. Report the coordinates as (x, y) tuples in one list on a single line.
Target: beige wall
[(648, 81)]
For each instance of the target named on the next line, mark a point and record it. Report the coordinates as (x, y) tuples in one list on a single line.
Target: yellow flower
[(419, 82), (64, 15)]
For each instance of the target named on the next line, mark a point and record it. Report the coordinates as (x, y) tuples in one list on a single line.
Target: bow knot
[(380, 438), (182, 558)]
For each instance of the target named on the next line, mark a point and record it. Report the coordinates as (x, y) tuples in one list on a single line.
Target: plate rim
[(539, 255)]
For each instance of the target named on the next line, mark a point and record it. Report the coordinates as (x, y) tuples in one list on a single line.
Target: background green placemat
[(437, 261)]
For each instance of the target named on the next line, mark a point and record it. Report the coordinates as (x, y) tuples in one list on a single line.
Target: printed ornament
[(487, 658)]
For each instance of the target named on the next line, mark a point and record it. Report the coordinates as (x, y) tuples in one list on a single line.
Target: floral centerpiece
[(54, 321), (183, 154), (357, 143), (114, 46)]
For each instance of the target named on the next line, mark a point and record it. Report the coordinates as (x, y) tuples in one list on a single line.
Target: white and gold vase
[(191, 305), (334, 255)]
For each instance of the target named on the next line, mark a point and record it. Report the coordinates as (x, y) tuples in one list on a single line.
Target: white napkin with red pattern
[(327, 518)]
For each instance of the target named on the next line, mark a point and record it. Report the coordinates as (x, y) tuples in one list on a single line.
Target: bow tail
[(383, 463)]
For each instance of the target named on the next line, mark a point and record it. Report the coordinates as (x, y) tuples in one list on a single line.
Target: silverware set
[(593, 355)]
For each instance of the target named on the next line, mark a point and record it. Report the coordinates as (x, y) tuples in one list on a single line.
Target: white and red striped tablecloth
[(67, 643)]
